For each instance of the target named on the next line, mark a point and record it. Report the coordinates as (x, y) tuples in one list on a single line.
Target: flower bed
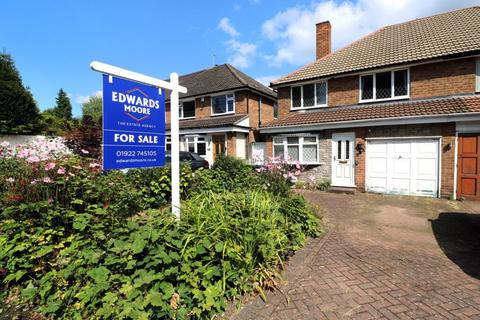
[(76, 243)]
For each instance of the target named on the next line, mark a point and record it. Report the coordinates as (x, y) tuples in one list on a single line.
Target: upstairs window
[(384, 85), (310, 95), (187, 109), (224, 103), (275, 110)]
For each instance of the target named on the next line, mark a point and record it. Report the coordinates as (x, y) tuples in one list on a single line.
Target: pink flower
[(5, 144), (49, 166), (84, 151), (47, 180), (94, 165), (311, 178), (61, 170), (33, 159), (11, 180), (33, 182)]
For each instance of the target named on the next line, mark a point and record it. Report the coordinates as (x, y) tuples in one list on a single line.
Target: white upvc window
[(223, 104), (196, 144), (168, 143), (187, 109), (302, 149), (310, 95), (477, 76), (388, 85)]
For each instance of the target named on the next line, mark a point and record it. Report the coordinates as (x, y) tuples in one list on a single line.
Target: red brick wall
[(443, 78), (323, 39), (428, 80), (231, 144)]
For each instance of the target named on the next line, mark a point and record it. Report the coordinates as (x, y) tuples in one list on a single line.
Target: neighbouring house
[(397, 111), (221, 112)]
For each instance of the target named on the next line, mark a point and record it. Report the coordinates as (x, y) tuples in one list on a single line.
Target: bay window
[(224, 103), (187, 109), (303, 149), (309, 95), (384, 85)]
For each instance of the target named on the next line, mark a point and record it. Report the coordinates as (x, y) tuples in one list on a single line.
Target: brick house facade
[(386, 120), (221, 112)]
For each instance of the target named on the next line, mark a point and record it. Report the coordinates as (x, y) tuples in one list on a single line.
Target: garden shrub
[(78, 243)]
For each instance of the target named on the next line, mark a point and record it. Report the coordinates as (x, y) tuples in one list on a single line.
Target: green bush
[(89, 244)]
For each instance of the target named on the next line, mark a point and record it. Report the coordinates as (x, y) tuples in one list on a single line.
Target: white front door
[(343, 161)]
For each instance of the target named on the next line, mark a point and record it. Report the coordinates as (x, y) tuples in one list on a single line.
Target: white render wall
[(241, 147)]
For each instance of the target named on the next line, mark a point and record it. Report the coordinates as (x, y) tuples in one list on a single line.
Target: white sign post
[(175, 88)]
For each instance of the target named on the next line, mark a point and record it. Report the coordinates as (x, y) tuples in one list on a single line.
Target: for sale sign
[(133, 124)]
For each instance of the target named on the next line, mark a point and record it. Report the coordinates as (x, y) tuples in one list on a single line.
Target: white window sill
[(307, 108), (187, 118), (383, 100), (222, 114)]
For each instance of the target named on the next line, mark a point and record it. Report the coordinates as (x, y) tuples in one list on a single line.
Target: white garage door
[(403, 166)]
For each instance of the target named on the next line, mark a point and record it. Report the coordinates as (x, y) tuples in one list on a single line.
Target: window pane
[(278, 151), (309, 140), (219, 104), (309, 95), (310, 153), (275, 110), (191, 147), (230, 105), (367, 87), (400, 83), (201, 148), (189, 109), (296, 97), (168, 147), (339, 150), (383, 85), (347, 149), (293, 153), (278, 140), (292, 140), (321, 93)]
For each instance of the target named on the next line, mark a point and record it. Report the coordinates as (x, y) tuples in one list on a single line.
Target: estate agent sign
[(133, 124)]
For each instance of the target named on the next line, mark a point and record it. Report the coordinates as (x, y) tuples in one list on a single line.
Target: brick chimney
[(324, 39)]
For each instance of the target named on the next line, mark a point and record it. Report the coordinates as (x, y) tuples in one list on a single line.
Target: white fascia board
[(211, 130), (377, 122)]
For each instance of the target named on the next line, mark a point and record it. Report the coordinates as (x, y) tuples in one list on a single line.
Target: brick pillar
[(360, 135), (447, 153)]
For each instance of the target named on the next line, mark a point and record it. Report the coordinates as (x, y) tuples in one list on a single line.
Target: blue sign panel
[(133, 124)]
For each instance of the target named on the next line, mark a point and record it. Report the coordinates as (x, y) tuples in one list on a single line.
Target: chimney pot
[(323, 39)]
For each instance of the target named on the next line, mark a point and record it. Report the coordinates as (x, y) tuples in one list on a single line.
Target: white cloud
[(242, 53), (227, 27), (266, 80), (293, 31), (83, 99)]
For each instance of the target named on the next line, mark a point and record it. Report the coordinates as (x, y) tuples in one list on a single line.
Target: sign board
[(133, 124)]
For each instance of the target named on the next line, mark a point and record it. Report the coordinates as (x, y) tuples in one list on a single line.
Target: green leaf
[(219, 246), (99, 275), (154, 298), (138, 245)]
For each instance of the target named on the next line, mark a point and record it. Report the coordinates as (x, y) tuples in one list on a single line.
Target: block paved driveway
[(385, 257)]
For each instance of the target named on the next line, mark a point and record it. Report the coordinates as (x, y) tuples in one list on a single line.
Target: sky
[(53, 42)]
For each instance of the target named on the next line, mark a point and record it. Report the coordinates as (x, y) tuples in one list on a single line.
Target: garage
[(403, 166)]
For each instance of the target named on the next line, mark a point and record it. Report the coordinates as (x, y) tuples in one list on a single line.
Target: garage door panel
[(407, 166)]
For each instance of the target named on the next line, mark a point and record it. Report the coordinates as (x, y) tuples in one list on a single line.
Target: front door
[(218, 145), (468, 169), (343, 159)]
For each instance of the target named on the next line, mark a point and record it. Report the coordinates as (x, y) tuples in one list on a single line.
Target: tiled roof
[(213, 122), (446, 34), (419, 108), (220, 78)]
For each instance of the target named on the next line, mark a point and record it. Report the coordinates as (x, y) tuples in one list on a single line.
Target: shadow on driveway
[(458, 235)]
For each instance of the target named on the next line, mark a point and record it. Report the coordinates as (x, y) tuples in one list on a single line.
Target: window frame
[(226, 94), (186, 141), (301, 143), (392, 83), (302, 107), (180, 109)]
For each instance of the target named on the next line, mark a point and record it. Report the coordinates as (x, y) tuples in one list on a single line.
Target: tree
[(18, 110), (63, 109), (93, 108), (86, 139)]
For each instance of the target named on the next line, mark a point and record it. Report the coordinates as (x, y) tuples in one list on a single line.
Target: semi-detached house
[(397, 111), (221, 112)]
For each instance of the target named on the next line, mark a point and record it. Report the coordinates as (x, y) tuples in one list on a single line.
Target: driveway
[(387, 257)]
